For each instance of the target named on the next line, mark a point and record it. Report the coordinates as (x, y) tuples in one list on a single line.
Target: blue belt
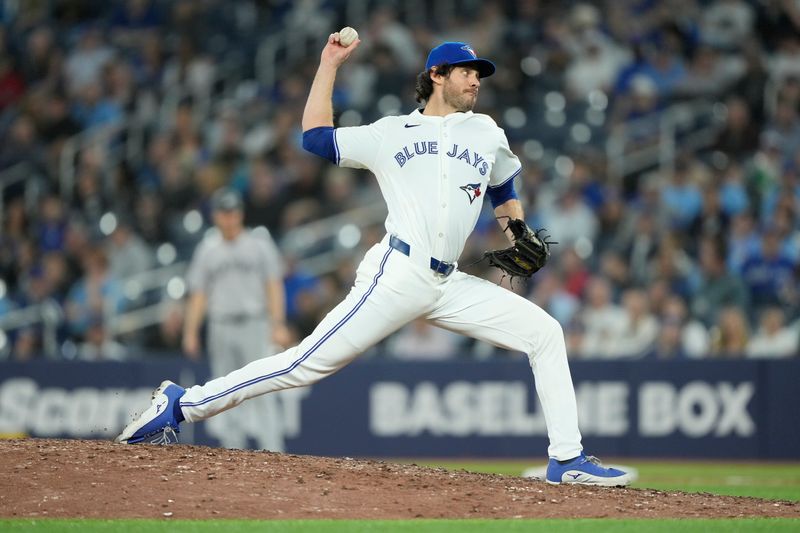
[(437, 266)]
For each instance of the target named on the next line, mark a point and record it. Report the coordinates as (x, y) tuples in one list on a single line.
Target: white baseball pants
[(392, 289)]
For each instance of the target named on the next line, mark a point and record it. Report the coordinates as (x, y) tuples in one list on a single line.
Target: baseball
[(347, 36)]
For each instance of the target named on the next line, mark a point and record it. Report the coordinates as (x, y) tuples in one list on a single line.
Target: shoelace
[(594, 460), (164, 436)]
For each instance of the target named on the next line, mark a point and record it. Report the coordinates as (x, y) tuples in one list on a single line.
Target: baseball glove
[(530, 251)]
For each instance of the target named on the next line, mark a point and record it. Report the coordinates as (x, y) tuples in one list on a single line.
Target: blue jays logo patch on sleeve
[(473, 190)]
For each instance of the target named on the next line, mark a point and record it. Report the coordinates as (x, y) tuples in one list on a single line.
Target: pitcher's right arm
[(318, 112)]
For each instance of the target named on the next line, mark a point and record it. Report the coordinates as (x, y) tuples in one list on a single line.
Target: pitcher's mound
[(96, 479)]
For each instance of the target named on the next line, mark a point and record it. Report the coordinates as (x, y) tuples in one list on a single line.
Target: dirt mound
[(65, 478)]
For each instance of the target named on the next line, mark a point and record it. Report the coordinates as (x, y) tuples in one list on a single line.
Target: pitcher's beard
[(458, 100)]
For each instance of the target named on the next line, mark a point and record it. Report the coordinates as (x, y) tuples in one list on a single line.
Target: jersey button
[(444, 205), (441, 235)]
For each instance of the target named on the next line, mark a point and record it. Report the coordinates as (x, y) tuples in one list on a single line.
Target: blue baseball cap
[(454, 53)]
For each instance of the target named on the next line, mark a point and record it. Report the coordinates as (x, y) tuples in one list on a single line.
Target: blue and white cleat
[(159, 423), (585, 470)]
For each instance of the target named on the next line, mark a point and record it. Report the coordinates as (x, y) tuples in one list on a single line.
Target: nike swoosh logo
[(412, 125)]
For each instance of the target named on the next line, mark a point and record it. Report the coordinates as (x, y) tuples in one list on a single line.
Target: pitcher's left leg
[(482, 310)]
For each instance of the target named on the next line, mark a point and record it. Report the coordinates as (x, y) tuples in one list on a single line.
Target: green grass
[(777, 481), (404, 526)]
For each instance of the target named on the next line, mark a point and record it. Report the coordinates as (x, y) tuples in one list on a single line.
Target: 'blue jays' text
[(470, 157)]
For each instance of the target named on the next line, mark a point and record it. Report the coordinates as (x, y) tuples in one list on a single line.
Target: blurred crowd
[(119, 119)]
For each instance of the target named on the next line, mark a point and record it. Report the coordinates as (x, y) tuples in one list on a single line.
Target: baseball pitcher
[(434, 167)]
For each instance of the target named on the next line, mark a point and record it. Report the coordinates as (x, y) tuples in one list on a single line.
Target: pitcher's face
[(460, 88)]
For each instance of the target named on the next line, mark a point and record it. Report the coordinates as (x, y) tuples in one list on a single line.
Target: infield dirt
[(97, 479)]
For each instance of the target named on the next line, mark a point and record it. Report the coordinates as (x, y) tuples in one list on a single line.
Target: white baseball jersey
[(433, 172)]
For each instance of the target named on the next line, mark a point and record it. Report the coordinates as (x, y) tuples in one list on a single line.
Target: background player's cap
[(454, 53), (226, 200)]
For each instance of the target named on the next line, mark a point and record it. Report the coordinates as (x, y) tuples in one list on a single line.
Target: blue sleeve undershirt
[(504, 192), (320, 141)]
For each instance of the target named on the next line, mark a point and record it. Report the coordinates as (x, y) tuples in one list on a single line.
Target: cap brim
[(485, 67)]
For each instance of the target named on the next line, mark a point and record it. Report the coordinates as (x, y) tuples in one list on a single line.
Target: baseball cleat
[(158, 424), (585, 470)]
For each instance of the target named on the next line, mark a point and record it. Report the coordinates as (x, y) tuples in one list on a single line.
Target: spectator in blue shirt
[(97, 293), (769, 274), (682, 198)]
